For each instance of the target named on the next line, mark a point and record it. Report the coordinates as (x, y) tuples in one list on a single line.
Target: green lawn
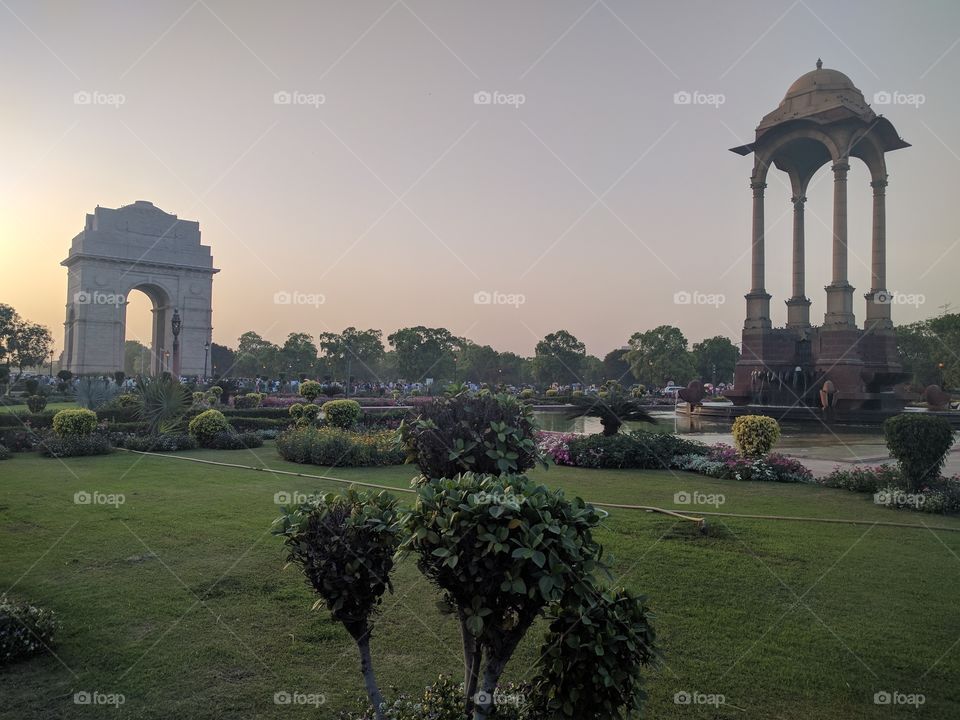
[(177, 598), (23, 408)]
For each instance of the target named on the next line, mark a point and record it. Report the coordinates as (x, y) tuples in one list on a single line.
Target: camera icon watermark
[(295, 297), (95, 697), (890, 297), (698, 498), (82, 497), (685, 97), (684, 297), (495, 97), (895, 97), (495, 297), (95, 97), (499, 698), (96, 297), (288, 499), (895, 697), (295, 97), (893, 497), (695, 697), (285, 697)]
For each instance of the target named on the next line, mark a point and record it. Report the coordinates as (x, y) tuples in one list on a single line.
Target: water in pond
[(814, 440)]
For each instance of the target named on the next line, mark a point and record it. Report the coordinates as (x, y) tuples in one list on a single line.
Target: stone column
[(798, 306), (758, 301), (878, 299), (839, 291)]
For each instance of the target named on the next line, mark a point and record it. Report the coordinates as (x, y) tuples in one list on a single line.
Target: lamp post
[(940, 367), (166, 360), (176, 324), (51, 363), (206, 355)]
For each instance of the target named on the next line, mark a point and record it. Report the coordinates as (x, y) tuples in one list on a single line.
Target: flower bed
[(333, 447)]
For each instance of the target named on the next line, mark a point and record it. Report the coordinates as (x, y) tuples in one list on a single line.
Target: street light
[(206, 353), (51, 363), (176, 324)]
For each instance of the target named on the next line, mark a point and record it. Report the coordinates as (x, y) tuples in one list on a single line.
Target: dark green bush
[(36, 403), (920, 443), (341, 414), (234, 441), (640, 450), (4, 453), (75, 446), (208, 424), (72, 422), (486, 434), (249, 424), (18, 420), (20, 440), (25, 629), (167, 442), (591, 658)]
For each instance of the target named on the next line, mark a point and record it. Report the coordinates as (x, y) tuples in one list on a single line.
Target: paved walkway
[(823, 463)]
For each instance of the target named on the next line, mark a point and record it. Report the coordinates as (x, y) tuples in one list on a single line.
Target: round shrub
[(207, 425), (248, 401), (341, 413), (310, 389), (36, 403), (552, 392), (755, 435), (216, 390), (74, 422), (920, 443), (526, 394), (24, 629), (577, 393)]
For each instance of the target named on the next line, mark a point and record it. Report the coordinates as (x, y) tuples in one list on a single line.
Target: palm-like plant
[(613, 406), (163, 403), (93, 393)]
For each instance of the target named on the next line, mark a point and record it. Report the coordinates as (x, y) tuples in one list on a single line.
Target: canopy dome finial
[(819, 63)]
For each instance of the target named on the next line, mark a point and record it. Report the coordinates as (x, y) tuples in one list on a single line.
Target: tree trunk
[(497, 659), (472, 660), (362, 637)]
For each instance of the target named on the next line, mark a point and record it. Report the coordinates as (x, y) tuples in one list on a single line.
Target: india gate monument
[(823, 118), (138, 247)]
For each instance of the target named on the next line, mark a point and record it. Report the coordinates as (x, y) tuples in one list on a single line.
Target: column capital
[(757, 185), (878, 186), (840, 169), (798, 202)]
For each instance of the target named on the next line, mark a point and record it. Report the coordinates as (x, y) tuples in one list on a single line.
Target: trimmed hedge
[(74, 422), (333, 447), (639, 450), (75, 446)]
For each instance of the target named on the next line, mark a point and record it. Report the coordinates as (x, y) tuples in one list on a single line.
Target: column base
[(758, 310), (839, 305), (878, 310), (798, 312)]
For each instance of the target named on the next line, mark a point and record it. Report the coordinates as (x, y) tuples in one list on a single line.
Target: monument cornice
[(75, 257)]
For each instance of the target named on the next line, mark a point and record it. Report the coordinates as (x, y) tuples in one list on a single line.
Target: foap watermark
[(895, 697), (695, 697), (95, 97), (500, 699), (96, 297), (685, 97), (495, 297), (285, 697), (82, 497), (890, 297), (295, 297), (899, 498), (895, 97), (698, 498), (293, 498), (509, 499), (495, 97), (95, 697), (295, 97), (684, 297)]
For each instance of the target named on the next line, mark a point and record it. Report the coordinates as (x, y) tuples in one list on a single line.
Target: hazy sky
[(399, 197)]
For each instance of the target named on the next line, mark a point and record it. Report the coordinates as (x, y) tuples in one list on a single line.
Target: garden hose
[(701, 522)]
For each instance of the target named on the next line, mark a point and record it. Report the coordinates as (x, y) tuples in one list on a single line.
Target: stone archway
[(137, 247)]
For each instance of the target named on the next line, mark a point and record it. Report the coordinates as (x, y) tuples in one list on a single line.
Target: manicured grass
[(178, 600), (22, 409)]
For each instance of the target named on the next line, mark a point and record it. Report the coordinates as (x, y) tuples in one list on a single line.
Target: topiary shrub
[(32, 385), (590, 660), (4, 453), (552, 392), (310, 389), (920, 443), (248, 401), (205, 426), (36, 403), (24, 629), (501, 549), (526, 394), (74, 422), (345, 546), (342, 414), (755, 435), (488, 434)]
